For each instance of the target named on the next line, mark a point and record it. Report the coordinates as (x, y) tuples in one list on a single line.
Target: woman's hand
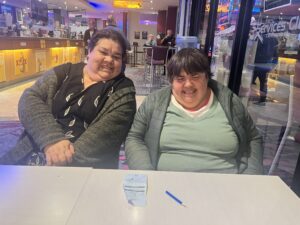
[(59, 153)]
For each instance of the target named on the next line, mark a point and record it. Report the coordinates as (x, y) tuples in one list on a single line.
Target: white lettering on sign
[(23, 44), (294, 23), (273, 28), (56, 43)]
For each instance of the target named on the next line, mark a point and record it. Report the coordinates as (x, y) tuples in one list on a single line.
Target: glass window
[(271, 79), (224, 36), (203, 26)]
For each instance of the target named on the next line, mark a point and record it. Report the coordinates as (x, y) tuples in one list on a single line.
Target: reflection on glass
[(271, 55), (271, 64), (224, 36), (203, 26)]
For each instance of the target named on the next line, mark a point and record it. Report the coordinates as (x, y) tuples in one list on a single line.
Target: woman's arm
[(35, 111), (104, 137), (255, 155), (137, 153), (251, 158)]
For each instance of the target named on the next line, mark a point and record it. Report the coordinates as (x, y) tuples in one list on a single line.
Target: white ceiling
[(148, 6)]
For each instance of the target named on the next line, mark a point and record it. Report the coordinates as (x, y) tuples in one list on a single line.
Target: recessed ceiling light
[(3, 2), (281, 13), (298, 9)]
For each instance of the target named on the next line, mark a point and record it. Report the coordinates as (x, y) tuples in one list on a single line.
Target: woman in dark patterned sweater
[(78, 114)]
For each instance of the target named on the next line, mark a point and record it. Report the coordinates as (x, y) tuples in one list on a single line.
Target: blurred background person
[(151, 40), (266, 59), (88, 34), (112, 24), (169, 39)]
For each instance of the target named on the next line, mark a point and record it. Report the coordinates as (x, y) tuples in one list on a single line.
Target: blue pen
[(175, 198)]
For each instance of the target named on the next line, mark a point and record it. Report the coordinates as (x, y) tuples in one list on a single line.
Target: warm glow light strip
[(287, 60), (127, 4)]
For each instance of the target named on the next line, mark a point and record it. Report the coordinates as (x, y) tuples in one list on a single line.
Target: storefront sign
[(274, 28), (294, 23), (272, 4)]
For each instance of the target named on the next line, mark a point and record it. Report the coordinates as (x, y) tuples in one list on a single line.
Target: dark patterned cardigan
[(97, 147)]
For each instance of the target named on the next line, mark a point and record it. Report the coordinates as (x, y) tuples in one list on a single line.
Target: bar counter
[(24, 57)]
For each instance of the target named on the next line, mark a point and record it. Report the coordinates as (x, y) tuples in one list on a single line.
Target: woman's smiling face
[(105, 60), (191, 90)]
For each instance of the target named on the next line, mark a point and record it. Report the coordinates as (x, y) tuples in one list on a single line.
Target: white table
[(39, 195), (83, 196), (211, 199)]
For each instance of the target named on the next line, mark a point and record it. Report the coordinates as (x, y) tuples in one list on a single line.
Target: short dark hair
[(191, 60), (108, 34)]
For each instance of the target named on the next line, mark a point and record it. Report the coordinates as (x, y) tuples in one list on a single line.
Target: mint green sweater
[(198, 153), (142, 143)]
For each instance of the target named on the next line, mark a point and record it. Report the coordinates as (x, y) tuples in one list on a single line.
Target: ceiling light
[(131, 4), (298, 9)]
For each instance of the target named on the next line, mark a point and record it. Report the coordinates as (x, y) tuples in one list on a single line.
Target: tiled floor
[(270, 119), (9, 98)]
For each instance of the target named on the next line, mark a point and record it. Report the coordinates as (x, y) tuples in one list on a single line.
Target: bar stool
[(156, 57), (130, 57), (136, 52)]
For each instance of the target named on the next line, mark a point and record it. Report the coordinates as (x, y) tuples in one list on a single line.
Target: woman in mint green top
[(195, 125)]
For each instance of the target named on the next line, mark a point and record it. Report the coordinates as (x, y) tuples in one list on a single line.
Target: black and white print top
[(74, 107)]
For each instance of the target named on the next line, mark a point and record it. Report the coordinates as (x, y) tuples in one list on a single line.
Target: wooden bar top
[(14, 43)]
